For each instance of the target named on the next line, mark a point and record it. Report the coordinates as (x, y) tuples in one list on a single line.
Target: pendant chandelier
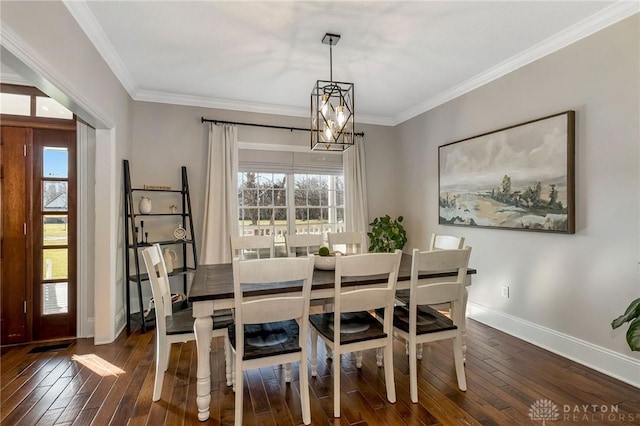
[(332, 112)]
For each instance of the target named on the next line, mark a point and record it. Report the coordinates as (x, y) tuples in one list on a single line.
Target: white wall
[(565, 289), (45, 45)]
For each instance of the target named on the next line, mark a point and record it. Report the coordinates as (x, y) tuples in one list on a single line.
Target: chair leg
[(303, 370), (314, 353), (336, 386), (413, 372), (358, 359), (233, 371), (164, 354), (239, 383), (157, 384), (419, 350), (379, 357), (388, 372), (160, 368), (228, 361), (287, 372), (458, 356), (328, 351)]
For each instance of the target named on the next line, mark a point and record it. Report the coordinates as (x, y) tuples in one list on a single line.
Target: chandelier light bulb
[(325, 104), (328, 133), (340, 115)]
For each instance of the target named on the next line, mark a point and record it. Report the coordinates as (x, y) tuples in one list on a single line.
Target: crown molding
[(608, 16), (228, 104), (209, 102), (87, 21)]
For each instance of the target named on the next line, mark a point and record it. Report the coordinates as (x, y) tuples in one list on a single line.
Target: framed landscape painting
[(520, 177)]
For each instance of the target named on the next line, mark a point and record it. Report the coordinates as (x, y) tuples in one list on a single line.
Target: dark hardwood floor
[(508, 379)]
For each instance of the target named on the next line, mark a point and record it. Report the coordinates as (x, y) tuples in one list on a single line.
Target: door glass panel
[(55, 230), (55, 298), (47, 107), (55, 264), (55, 162), (54, 197), (15, 104)]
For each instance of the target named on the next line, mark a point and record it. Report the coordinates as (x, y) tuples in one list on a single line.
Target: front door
[(38, 234), (15, 249)]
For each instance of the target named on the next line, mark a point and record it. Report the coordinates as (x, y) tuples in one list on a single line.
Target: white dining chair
[(251, 246), (420, 323), (272, 329), (437, 242), (351, 327), (305, 243), (348, 242), (175, 327)]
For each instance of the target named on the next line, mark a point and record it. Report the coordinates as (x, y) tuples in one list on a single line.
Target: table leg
[(203, 329)]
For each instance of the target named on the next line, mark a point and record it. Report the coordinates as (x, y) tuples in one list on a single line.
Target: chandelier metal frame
[(332, 109)]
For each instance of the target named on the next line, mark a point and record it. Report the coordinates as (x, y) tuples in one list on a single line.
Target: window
[(280, 203), (26, 101)]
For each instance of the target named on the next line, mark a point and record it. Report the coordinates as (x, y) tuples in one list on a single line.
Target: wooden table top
[(215, 282)]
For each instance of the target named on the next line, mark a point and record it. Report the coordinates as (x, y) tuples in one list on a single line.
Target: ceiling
[(403, 57)]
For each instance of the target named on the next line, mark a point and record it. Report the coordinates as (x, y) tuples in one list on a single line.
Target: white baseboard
[(616, 365)]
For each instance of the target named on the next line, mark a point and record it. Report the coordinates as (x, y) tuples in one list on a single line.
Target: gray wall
[(168, 136), (570, 284)]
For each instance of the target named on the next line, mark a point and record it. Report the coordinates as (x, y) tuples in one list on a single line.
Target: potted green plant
[(632, 315), (387, 234)]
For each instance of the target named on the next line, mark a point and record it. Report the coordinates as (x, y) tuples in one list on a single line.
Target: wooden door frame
[(55, 321)]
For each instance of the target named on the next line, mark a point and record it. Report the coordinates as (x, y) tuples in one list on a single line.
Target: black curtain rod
[(269, 126)]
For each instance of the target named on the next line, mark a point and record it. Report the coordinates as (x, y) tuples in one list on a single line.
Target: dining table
[(212, 289)]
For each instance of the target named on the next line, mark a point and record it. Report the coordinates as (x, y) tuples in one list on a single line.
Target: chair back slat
[(309, 242), (240, 245), (351, 242), (445, 242), (262, 271), (364, 299), (442, 260), (434, 294), (368, 264), (272, 309)]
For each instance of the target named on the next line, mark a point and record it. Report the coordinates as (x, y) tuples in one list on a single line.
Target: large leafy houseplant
[(632, 315), (387, 234)]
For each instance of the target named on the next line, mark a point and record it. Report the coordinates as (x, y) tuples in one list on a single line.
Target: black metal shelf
[(187, 254), (176, 272), (162, 243), (156, 190), (159, 214)]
